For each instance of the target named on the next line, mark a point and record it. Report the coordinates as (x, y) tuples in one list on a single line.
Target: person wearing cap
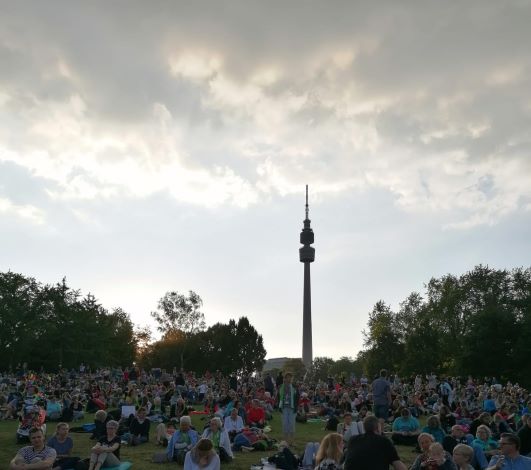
[(182, 440)]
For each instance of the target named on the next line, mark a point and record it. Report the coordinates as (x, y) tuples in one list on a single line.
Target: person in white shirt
[(233, 424)]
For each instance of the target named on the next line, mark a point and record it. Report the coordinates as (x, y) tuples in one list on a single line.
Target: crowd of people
[(469, 423)]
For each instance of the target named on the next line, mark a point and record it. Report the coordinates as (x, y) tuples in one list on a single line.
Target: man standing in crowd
[(381, 395), (37, 456), (287, 402), (371, 451)]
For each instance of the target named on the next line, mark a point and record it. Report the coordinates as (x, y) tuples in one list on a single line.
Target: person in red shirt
[(256, 415)]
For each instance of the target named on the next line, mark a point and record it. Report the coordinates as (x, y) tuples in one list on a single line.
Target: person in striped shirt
[(36, 456)]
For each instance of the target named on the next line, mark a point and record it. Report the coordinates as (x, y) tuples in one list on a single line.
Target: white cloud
[(26, 212), (230, 111)]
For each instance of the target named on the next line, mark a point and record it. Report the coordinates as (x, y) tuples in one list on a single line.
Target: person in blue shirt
[(510, 458), (434, 428), (406, 429)]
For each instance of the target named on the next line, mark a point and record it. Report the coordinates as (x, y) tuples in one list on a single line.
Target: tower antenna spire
[(307, 210)]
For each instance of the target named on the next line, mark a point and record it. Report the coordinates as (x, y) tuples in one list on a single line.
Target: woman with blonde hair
[(485, 441), (463, 456), (202, 457), (330, 452)]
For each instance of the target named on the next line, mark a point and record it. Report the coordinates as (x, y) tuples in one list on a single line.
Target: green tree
[(382, 340), (179, 316), (296, 367), (320, 369), (19, 318)]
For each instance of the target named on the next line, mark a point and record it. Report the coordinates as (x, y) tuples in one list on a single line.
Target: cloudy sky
[(156, 145)]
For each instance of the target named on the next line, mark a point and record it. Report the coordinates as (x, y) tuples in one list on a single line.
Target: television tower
[(307, 256)]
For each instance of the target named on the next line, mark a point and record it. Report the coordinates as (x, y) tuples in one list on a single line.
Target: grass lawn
[(141, 455)]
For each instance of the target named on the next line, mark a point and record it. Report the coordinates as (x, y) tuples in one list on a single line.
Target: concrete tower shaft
[(307, 256)]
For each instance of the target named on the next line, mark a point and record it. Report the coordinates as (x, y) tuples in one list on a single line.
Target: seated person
[(446, 418), (437, 459), (330, 452), (349, 427), (202, 457), (165, 432), (233, 424), (62, 443), (220, 439), (485, 441), (106, 453), (524, 434), (463, 455), (53, 409), (510, 457), (406, 428), (304, 402), (433, 427), (424, 441), (457, 436), (100, 421), (38, 455), (77, 408), (483, 418), (182, 441), (256, 415), (138, 429)]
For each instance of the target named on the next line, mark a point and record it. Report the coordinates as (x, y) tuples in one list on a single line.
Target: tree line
[(475, 324), (52, 326), (478, 323)]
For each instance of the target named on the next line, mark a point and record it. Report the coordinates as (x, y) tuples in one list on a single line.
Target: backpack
[(331, 424), (285, 460)]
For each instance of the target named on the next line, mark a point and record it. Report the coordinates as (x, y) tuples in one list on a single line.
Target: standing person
[(510, 457), (269, 386), (279, 380), (288, 405), (371, 451), (381, 395), (35, 456)]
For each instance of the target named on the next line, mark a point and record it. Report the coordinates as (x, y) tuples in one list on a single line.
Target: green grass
[(141, 455)]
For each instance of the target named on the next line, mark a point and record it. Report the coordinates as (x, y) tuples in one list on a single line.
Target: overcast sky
[(148, 146)]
